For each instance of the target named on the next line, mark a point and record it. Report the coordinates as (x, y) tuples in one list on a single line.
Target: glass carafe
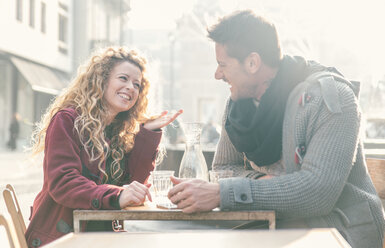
[(193, 164)]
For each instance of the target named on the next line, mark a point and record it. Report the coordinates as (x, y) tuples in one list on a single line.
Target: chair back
[(18, 209), (15, 212), (4, 222), (376, 169)]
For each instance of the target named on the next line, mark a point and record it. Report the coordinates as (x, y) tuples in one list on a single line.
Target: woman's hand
[(134, 194), (163, 120)]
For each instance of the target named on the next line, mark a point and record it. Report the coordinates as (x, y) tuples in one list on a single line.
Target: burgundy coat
[(71, 181)]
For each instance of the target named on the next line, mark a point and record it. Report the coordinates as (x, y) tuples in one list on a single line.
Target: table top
[(149, 211), (328, 237)]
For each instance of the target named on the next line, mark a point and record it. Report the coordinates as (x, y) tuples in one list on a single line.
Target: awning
[(41, 79)]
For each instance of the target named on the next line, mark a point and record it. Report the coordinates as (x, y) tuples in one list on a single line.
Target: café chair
[(19, 213), (4, 222), (16, 215), (376, 169)]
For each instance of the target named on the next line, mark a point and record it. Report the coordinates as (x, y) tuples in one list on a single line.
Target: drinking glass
[(215, 175), (161, 184)]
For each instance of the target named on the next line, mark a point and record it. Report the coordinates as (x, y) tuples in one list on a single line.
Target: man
[(296, 121)]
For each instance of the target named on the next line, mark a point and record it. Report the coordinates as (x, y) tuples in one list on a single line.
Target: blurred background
[(43, 42)]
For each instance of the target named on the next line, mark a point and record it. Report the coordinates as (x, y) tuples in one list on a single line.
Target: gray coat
[(327, 183)]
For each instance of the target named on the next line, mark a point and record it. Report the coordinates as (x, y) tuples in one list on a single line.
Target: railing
[(374, 148)]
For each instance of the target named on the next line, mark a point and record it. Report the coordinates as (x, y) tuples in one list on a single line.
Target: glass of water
[(161, 184), (215, 175)]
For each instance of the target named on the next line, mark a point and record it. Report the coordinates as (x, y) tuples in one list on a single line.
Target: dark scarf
[(109, 133), (257, 131)]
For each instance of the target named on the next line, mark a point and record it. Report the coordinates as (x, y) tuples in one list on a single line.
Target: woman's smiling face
[(123, 88)]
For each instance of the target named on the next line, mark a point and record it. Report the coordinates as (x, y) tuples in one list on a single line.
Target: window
[(63, 6), (63, 28), (206, 109), (63, 25), (42, 18), (32, 13), (19, 10), (63, 35)]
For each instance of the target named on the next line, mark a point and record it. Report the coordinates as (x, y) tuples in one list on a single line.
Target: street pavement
[(26, 176)]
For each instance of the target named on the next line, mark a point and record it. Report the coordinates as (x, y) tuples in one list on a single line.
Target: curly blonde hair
[(85, 95)]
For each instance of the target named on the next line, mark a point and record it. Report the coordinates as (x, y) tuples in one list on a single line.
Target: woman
[(97, 138)]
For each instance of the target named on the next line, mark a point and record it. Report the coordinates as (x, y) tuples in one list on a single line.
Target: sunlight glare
[(155, 14)]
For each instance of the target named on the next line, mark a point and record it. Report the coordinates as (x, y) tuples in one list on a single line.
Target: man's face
[(234, 73)]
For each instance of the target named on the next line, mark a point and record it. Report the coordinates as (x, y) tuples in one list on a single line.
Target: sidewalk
[(24, 173), (26, 176)]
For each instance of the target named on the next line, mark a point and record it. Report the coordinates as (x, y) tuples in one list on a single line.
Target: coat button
[(95, 203), (243, 197), (36, 242)]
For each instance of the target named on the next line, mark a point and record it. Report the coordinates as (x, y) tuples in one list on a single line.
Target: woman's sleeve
[(141, 160), (63, 169)]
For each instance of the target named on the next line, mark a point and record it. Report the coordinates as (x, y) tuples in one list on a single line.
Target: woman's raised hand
[(163, 120), (134, 194)]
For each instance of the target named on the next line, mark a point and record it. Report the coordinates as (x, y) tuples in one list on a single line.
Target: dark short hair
[(243, 32)]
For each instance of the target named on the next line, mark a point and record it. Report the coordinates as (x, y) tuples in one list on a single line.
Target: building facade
[(35, 60), (97, 24), (43, 44)]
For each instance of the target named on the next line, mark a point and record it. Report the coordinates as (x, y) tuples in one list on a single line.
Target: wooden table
[(150, 212), (214, 239)]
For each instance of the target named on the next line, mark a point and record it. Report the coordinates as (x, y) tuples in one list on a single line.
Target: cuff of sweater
[(235, 191), (110, 199), (114, 202), (148, 131), (226, 194)]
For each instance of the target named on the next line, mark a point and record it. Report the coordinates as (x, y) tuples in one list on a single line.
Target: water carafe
[(193, 164)]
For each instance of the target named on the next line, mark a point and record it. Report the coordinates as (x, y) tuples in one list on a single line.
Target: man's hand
[(163, 120), (194, 195)]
